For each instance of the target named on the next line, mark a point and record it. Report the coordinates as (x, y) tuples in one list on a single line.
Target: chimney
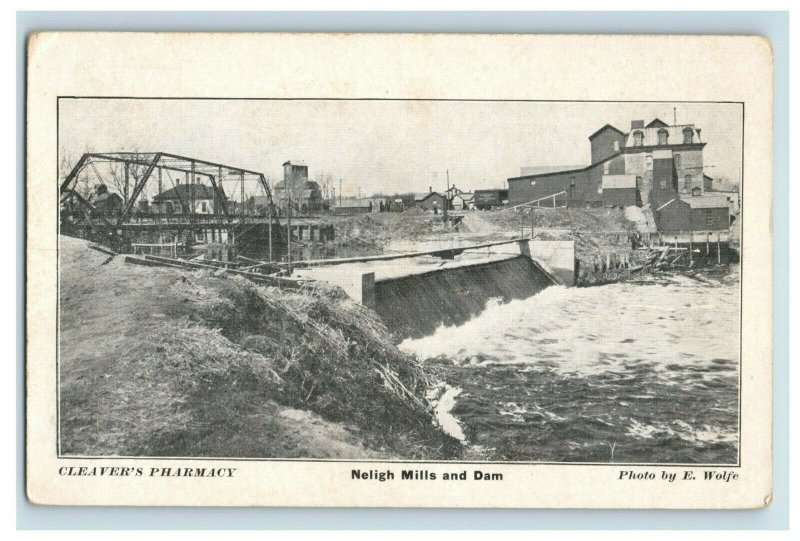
[(430, 189), (637, 124), (698, 134)]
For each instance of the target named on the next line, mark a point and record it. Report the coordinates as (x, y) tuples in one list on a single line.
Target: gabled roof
[(604, 128), (657, 123), (706, 201), (184, 192), (299, 163), (545, 169), (424, 196)]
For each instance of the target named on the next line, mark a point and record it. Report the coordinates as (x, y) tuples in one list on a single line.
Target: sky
[(380, 145)]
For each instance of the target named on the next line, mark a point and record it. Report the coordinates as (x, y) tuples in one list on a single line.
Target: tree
[(125, 184)]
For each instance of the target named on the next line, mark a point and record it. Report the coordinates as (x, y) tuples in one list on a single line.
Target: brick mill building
[(649, 165)]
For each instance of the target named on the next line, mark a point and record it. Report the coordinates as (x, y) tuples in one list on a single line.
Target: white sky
[(388, 146)]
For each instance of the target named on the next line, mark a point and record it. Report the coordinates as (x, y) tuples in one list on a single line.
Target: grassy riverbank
[(166, 362)]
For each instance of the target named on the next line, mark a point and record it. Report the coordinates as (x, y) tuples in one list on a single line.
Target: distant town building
[(179, 200), (305, 195), (462, 201), (106, 203), (352, 205), (430, 201), (664, 161)]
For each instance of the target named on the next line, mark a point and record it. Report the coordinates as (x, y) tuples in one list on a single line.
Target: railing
[(156, 248), (537, 202)]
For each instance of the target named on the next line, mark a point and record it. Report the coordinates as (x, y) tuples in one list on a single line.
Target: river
[(624, 373)]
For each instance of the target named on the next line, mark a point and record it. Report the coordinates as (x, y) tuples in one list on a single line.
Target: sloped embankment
[(164, 362)]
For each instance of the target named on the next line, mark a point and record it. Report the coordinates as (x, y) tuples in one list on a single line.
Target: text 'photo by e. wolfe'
[(399, 281)]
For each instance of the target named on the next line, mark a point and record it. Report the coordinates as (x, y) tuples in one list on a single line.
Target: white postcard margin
[(431, 66)]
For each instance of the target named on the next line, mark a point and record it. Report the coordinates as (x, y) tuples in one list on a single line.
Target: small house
[(462, 201), (429, 201), (106, 203), (693, 213), (179, 200)]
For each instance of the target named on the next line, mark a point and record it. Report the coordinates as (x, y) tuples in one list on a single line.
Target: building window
[(687, 136), (663, 183), (204, 207), (709, 218), (600, 189), (649, 161), (663, 136), (533, 183), (616, 146), (638, 138), (687, 182), (606, 166)]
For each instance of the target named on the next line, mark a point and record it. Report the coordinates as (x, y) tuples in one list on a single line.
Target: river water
[(627, 372)]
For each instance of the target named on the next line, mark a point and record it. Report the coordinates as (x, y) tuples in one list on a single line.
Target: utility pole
[(270, 206), (447, 196), (340, 192), (125, 193), (241, 175), (288, 227), (674, 116)]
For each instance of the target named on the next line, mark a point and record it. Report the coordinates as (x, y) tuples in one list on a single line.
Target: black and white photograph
[(384, 280), (399, 270)]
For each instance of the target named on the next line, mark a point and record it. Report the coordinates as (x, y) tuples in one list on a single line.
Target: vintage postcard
[(399, 270)]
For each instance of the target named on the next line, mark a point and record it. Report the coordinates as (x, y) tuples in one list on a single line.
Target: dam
[(415, 294)]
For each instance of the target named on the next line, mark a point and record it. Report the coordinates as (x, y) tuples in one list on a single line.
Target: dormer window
[(687, 136), (663, 136), (638, 138), (616, 146)]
